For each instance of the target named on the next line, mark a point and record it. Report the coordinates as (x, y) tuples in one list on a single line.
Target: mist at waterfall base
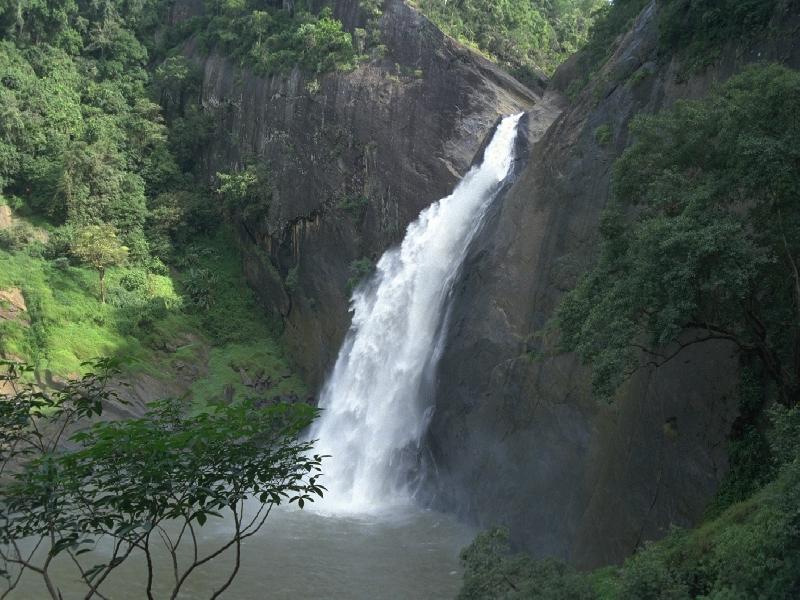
[(366, 538), (376, 404)]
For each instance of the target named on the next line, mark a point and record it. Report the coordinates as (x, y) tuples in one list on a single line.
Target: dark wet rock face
[(516, 439), (354, 158)]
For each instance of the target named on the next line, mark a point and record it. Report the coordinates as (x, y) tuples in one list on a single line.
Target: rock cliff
[(354, 157), (516, 438)]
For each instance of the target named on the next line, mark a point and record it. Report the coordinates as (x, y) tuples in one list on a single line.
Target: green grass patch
[(68, 324), (236, 365), (150, 321)]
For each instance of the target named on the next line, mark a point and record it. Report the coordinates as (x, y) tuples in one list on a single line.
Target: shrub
[(157, 267), (61, 263), (16, 237), (354, 205), (491, 570), (293, 280), (784, 435), (199, 286), (59, 242), (248, 192), (360, 269), (604, 135), (134, 280)]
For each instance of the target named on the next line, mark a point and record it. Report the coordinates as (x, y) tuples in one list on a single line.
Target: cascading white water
[(373, 406)]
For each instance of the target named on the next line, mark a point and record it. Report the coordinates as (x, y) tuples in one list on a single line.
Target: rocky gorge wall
[(516, 438), (353, 156)]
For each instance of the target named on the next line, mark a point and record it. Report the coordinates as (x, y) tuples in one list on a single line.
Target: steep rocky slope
[(354, 157), (516, 438)]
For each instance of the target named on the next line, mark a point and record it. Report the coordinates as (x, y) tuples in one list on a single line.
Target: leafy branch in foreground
[(703, 235), (145, 484), (34, 424)]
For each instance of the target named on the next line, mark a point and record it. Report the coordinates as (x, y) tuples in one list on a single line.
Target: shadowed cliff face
[(354, 157), (516, 438)]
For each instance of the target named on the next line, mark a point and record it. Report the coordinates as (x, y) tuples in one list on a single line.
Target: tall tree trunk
[(102, 273)]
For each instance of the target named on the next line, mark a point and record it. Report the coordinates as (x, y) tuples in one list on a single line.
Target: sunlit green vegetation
[(526, 37), (96, 138), (271, 40), (202, 314)]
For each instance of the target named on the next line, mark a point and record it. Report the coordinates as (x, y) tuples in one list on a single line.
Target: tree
[(248, 191), (176, 79), (33, 426), (143, 483), (98, 246), (526, 37), (703, 233), (491, 570)]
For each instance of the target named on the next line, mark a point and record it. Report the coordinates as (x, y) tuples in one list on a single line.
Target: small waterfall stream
[(374, 404)]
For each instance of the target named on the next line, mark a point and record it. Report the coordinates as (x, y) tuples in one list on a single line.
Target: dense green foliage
[(81, 142), (492, 571), (703, 233), (701, 241), (694, 31), (270, 40), (138, 482), (751, 550), (79, 139), (698, 30), (85, 147), (525, 36), (247, 192)]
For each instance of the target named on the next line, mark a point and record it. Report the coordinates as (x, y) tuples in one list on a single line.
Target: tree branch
[(22, 562), (85, 578), (237, 560)]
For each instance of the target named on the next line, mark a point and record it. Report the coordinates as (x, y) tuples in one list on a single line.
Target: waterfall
[(374, 406)]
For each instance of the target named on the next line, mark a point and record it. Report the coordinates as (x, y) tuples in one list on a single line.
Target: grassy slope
[(69, 324)]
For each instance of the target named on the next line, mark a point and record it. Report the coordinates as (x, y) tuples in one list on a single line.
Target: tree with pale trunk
[(99, 247)]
